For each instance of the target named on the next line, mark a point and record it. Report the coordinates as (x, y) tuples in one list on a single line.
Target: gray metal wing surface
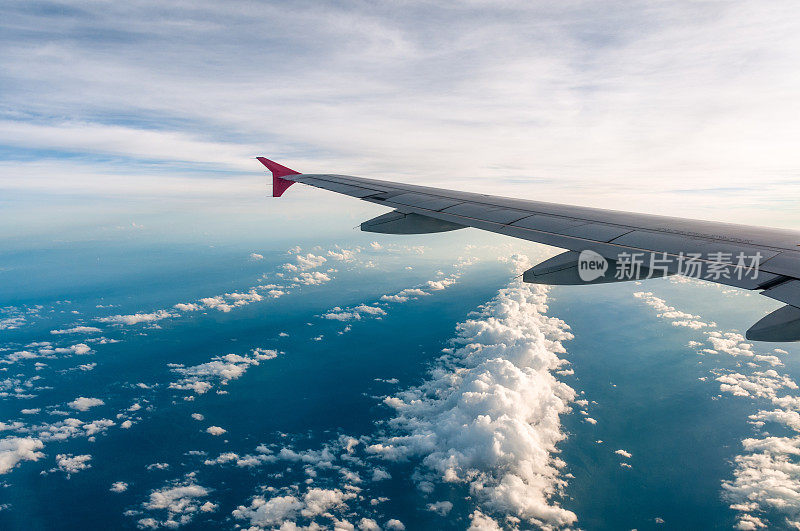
[(603, 245)]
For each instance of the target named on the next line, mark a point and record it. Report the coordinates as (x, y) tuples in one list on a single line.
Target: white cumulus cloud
[(137, 318), (16, 449), (179, 504), (489, 416), (83, 403), (72, 464)]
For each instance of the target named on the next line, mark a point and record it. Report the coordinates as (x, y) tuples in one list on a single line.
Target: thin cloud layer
[(566, 106)]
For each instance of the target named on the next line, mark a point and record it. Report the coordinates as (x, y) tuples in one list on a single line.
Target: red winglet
[(279, 184)]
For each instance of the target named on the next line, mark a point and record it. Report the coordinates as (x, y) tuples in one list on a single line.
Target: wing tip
[(279, 184)]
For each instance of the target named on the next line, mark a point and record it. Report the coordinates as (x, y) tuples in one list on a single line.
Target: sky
[(685, 108)]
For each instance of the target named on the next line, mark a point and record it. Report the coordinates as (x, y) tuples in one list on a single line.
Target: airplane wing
[(603, 245)]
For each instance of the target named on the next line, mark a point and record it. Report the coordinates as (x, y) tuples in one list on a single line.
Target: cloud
[(481, 522), (227, 457), (249, 460), (243, 461), (215, 430), (788, 418), (14, 357), (47, 350), (97, 426), (768, 478), (405, 295), (489, 415), (319, 458), (442, 508), (72, 464), (11, 323), (118, 486), (256, 256), (147, 523), (678, 318), (305, 262), (262, 513), (188, 307), (379, 474), (361, 311), (624, 453), (137, 318), (761, 384), (344, 255), (80, 349), (730, 343), (19, 387), (179, 503), (77, 330), (16, 449), (267, 513), (221, 369), (83, 403), (368, 524), (217, 303), (228, 301), (192, 384), (67, 429), (774, 361), (437, 285), (241, 299), (355, 313), (315, 278)]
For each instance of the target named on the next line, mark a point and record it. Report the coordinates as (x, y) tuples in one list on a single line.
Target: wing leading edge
[(603, 245)]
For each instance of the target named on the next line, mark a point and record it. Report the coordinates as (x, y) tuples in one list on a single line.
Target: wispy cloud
[(674, 95)]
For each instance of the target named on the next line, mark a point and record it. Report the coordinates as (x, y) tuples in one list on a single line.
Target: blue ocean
[(216, 376)]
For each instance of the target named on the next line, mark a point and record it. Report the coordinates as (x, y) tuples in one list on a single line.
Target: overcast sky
[(664, 102)]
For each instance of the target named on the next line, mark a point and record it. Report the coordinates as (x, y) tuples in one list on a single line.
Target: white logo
[(591, 266)]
